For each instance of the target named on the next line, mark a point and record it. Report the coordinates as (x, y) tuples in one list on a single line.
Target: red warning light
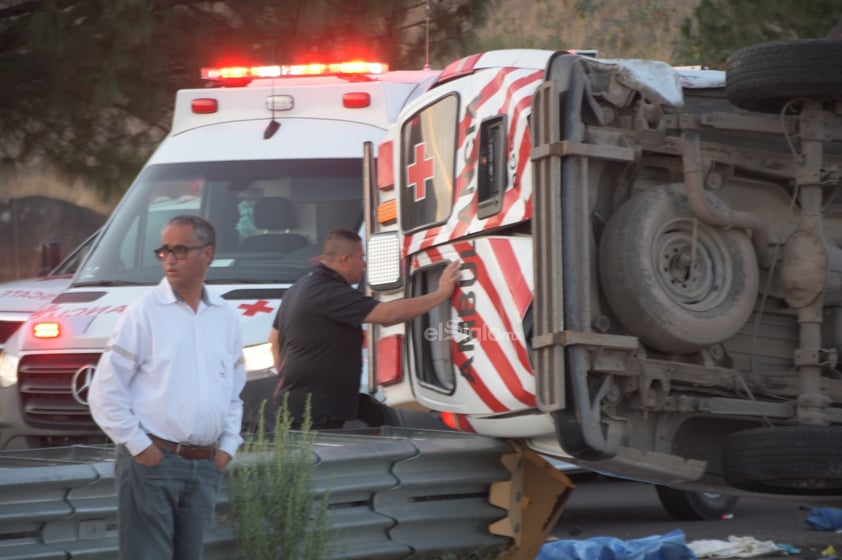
[(240, 73), (46, 330), (356, 100), (204, 105)]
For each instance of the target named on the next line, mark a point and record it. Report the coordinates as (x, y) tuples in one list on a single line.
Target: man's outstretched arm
[(401, 310)]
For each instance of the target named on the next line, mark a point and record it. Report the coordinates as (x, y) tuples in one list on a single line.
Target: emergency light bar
[(278, 71)]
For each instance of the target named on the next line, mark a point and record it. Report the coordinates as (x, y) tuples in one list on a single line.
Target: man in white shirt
[(167, 392)]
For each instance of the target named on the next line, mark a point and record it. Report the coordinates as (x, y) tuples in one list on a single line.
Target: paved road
[(630, 510)]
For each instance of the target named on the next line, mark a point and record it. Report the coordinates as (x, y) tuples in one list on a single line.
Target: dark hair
[(203, 229), (338, 241)]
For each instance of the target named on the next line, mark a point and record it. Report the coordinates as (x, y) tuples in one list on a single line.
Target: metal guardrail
[(403, 494)]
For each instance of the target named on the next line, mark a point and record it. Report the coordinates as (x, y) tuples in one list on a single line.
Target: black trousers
[(296, 403)]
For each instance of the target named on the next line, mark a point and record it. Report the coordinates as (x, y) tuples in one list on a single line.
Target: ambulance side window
[(434, 335), (428, 144), (492, 175)]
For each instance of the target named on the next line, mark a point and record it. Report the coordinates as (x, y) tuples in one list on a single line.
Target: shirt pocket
[(222, 375)]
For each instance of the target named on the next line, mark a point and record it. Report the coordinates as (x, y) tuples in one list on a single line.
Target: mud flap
[(534, 498)]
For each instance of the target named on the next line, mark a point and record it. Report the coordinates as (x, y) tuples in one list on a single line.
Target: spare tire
[(767, 76), (674, 282)]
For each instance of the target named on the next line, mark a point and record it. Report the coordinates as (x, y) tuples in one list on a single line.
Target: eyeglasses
[(179, 251)]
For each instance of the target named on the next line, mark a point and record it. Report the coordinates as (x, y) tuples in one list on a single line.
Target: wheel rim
[(696, 280)]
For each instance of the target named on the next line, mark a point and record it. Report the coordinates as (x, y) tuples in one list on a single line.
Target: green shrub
[(277, 513)]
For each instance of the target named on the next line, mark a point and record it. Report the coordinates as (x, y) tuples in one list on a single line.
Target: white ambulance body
[(274, 164), (614, 220)]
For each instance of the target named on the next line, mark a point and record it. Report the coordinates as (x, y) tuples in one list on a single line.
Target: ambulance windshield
[(270, 218)]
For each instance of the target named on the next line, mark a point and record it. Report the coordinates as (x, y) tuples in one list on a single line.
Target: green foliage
[(720, 27), (92, 82), (271, 490)]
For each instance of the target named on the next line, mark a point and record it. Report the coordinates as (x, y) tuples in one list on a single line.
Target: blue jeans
[(162, 511)]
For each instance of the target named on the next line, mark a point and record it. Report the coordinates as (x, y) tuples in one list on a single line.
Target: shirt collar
[(326, 270), (166, 294)]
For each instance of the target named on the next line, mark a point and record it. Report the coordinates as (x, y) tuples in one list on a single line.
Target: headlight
[(8, 370), (258, 361)]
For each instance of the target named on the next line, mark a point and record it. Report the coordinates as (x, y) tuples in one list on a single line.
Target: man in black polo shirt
[(319, 331)]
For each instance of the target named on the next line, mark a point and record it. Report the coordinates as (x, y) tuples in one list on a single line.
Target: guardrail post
[(534, 499)]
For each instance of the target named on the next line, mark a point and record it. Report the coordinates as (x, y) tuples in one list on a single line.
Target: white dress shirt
[(172, 372)]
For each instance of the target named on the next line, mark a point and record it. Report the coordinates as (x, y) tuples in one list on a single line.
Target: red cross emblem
[(419, 172), (259, 306)]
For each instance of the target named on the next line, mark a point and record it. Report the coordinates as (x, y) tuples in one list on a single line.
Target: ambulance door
[(469, 355)]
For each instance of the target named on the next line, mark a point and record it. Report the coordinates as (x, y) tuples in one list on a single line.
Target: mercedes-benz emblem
[(81, 382)]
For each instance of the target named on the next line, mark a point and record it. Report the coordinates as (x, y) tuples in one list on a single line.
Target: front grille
[(7, 328), (45, 382)]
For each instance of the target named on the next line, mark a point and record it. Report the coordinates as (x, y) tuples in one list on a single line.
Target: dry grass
[(35, 182), (616, 28)]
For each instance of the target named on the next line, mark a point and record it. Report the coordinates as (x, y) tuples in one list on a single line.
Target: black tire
[(645, 259), (695, 506), (785, 460), (765, 77)]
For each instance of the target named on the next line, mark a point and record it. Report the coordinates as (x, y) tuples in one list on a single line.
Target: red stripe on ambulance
[(485, 336)]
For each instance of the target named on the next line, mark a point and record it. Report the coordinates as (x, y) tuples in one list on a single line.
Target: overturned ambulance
[(651, 267)]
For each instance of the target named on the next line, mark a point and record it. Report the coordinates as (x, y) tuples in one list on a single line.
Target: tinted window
[(433, 335)]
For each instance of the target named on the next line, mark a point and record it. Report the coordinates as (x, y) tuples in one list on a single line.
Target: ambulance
[(20, 298), (272, 156), (651, 280)]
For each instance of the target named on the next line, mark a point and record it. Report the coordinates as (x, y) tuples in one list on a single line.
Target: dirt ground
[(27, 223)]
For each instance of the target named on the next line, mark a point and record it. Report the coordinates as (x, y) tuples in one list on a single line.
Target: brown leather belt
[(183, 449)]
